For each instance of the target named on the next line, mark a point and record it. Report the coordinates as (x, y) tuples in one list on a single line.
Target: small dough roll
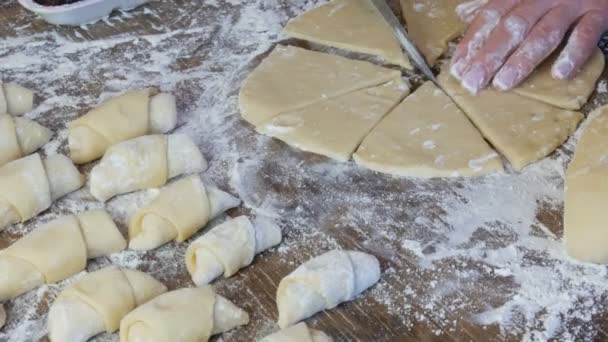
[(2, 316), (180, 210), (229, 247), (144, 162), (128, 116), (20, 137), (30, 185), (323, 283), (298, 333), (185, 315), (15, 99), (56, 251), (98, 301)]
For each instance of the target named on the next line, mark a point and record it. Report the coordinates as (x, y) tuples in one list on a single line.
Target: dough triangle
[(291, 78), (353, 25), (427, 136), (335, 127)]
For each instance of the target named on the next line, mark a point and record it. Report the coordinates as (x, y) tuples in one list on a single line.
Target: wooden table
[(440, 241)]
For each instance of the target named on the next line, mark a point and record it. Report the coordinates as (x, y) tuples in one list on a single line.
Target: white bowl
[(80, 12)]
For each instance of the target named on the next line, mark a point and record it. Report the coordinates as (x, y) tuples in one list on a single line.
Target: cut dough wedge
[(292, 78), (568, 94), (523, 130), (298, 333), (353, 25), (335, 127), (427, 136), (585, 215)]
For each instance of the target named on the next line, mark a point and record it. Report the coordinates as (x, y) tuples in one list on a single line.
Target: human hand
[(508, 39)]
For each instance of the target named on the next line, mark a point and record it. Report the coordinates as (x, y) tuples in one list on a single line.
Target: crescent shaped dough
[(15, 99), (144, 162), (298, 333), (98, 301), (29, 186), (229, 247), (20, 137), (180, 210), (323, 283), (128, 116), (187, 315), (56, 251)]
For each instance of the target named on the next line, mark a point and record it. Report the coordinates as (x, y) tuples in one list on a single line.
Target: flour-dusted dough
[(323, 283), (298, 333), (229, 247), (128, 116), (29, 186), (568, 94), (15, 99), (353, 25), (98, 301), (427, 136), (522, 129), (2, 316), (291, 78), (185, 315), (20, 137), (432, 24), (144, 162), (180, 210), (336, 126), (585, 214), (56, 251)]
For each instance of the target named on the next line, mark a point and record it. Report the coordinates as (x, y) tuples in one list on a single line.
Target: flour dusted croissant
[(180, 210), (323, 283), (143, 163), (128, 116), (56, 251), (186, 315), (30, 185), (98, 301), (229, 247), (298, 333), (15, 99), (20, 137)]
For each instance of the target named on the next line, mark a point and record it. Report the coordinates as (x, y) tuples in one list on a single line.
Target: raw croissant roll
[(2, 316), (15, 99), (186, 315), (298, 333), (20, 137), (56, 251), (131, 115), (30, 185), (98, 301), (180, 210), (229, 247), (143, 163), (324, 282)]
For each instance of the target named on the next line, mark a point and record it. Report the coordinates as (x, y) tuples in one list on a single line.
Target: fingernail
[(474, 80), (562, 69), (507, 78), (458, 69)]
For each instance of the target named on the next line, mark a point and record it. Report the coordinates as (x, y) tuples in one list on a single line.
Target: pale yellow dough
[(20, 137), (568, 94), (336, 126), (298, 333), (522, 129), (427, 136), (291, 78), (585, 215), (353, 25)]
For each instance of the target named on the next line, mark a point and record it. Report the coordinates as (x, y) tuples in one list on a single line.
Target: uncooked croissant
[(298, 333), (229, 247), (20, 137), (186, 315), (98, 301), (143, 163), (15, 99), (323, 283), (56, 251), (30, 185), (180, 210)]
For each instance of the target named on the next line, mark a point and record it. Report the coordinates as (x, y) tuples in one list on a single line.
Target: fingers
[(544, 38), (581, 44), (467, 11)]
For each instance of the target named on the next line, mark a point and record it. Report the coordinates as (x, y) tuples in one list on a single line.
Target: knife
[(419, 61)]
